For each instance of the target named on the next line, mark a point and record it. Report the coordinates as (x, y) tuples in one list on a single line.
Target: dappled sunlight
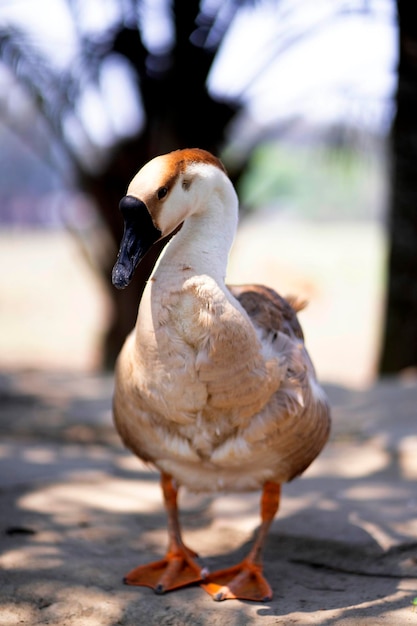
[(367, 492), (327, 599), (107, 494), (408, 528), (11, 617), (130, 463), (32, 557), (378, 534), (39, 455), (79, 513), (394, 609), (408, 457), (103, 607), (401, 598), (347, 462), (293, 505), (48, 599), (326, 505), (44, 462), (240, 512)]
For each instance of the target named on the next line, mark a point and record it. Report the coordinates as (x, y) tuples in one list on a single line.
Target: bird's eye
[(162, 192)]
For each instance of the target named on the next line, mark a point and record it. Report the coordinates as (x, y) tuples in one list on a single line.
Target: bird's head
[(164, 192)]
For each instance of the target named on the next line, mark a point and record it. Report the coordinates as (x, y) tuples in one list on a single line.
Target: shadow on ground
[(77, 512)]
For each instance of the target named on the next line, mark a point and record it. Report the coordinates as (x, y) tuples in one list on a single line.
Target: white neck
[(196, 255), (204, 241)]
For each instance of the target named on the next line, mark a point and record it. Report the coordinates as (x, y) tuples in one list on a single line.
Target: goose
[(213, 387)]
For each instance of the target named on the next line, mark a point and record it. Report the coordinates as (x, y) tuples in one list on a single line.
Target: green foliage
[(314, 181)]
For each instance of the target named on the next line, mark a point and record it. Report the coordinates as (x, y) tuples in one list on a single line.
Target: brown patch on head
[(175, 164), (156, 178), (182, 158)]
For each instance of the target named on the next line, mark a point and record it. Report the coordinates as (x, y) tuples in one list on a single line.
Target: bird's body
[(214, 386)]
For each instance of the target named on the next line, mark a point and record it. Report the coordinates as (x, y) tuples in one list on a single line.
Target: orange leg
[(245, 580), (179, 567)]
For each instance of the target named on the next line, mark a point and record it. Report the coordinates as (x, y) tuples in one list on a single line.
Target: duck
[(214, 387)]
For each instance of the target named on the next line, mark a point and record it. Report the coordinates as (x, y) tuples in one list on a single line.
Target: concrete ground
[(77, 512)]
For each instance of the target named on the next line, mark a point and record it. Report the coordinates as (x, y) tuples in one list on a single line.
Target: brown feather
[(269, 310), (214, 386)]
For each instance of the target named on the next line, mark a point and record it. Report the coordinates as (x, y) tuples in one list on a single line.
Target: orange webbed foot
[(176, 570), (244, 581)]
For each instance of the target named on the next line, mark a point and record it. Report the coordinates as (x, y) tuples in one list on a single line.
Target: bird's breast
[(197, 354)]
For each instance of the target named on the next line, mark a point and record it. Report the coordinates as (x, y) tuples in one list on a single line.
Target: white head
[(176, 185), (164, 193)]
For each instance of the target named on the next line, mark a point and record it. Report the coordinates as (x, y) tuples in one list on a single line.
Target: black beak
[(139, 235)]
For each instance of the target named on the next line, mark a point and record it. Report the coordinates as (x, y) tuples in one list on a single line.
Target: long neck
[(200, 249), (202, 245)]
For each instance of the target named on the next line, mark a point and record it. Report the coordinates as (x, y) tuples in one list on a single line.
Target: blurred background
[(311, 107)]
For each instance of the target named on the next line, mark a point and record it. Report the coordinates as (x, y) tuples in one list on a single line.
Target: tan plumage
[(214, 386)]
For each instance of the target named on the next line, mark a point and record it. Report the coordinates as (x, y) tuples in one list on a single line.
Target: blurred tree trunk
[(179, 113), (399, 345)]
